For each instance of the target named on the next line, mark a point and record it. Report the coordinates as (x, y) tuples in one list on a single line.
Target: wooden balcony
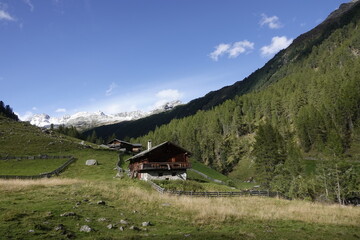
[(161, 166)]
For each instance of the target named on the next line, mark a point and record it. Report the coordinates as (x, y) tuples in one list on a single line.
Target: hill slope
[(58, 207), (258, 80), (309, 106)]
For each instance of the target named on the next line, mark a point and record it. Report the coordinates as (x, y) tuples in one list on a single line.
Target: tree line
[(311, 109), (7, 111), (73, 132)]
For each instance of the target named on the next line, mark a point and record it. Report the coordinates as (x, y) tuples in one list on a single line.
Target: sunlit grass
[(38, 204), (207, 210), (20, 184), (29, 166)]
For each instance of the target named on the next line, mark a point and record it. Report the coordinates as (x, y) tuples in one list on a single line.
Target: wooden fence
[(34, 157), (260, 193), (42, 175)]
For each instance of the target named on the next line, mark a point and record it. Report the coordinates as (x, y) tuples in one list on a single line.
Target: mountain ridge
[(259, 79), (85, 120)]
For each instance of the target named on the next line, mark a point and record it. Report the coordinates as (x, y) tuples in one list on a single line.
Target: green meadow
[(57, 208)]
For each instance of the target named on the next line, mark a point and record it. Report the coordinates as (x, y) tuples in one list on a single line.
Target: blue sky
[(63, 56)]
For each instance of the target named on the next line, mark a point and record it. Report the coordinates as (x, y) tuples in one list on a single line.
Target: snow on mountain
[(84, 120)]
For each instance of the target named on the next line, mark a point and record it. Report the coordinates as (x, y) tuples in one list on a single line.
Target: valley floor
[(57, 208)]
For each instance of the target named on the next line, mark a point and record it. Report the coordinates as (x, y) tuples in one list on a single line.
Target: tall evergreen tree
[(269, 152)]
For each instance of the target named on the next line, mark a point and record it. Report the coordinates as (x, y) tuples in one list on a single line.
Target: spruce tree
[(269, 152)]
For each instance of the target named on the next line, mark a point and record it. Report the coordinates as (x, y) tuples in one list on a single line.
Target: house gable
[(164, 161)]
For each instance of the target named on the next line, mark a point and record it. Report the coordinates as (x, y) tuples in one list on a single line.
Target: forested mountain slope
[(311, 108), (260, 79)]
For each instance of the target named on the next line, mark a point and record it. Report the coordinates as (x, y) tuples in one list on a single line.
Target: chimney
[(149, 145)]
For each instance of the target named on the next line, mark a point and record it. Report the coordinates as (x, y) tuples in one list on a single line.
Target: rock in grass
[(59, 227), (145, 224), (123, 222), (85, 228), (91, 162), (135, 228), (121, 228), (48, 214), (102, 219), (68, 214), (110, 226), (101, 202)]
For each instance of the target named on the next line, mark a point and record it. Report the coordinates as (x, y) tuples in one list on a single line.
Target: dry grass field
[(32, 209)]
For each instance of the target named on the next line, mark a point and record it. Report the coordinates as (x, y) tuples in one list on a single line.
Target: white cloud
[(171, 94), (277, 43), (6, 16), (60, 110), (233, 50), (167, 95), (156, 93), (272, 22), (29, 3), (145, 99), (220, 49), (240, 47), (111, 88), (34, 108)]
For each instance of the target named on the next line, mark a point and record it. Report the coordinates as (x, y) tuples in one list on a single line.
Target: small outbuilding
[(120, 144), (166, 161)]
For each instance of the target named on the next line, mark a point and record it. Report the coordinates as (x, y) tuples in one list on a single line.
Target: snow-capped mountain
[(84, 120)]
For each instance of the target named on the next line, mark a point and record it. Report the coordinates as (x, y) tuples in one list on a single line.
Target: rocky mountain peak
[(341, 10), (84, 120)]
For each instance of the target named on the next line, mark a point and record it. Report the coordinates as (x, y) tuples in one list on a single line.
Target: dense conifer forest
[(298, 135)]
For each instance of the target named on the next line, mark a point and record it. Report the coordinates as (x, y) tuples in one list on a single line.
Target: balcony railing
[(161, 166)]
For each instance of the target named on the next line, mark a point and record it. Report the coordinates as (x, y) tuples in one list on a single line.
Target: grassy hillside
[(33, 209), (29, 167), (58, 207), (21, 138)]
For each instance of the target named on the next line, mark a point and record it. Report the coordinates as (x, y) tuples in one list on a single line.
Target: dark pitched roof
[(121, 141), (146, 152)]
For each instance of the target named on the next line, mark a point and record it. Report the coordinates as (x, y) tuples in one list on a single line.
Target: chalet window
[(160, 174)]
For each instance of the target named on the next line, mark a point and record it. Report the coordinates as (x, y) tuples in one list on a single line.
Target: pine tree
[(269, 152), (93, 137)]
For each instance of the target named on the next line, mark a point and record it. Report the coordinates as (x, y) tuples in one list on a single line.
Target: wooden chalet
[(166, 161), (129, 147)]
